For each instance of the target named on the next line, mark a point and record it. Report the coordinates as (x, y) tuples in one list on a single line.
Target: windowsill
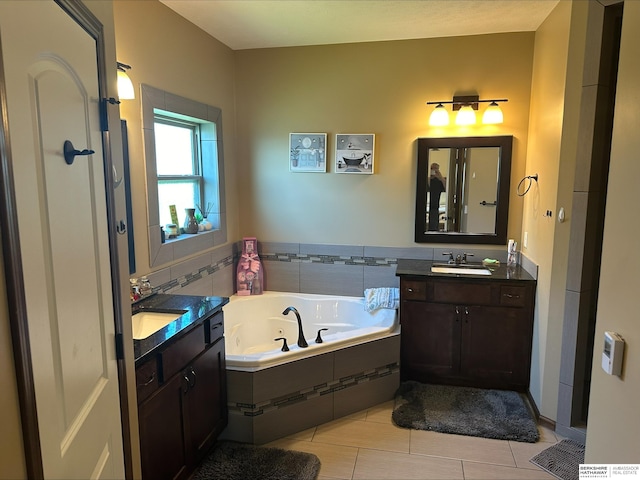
[(185, 245)]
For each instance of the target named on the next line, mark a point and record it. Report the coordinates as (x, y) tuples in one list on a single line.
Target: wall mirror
[(462, 190)]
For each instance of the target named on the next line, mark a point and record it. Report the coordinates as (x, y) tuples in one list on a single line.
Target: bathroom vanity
[(181, 384), (466, 329)]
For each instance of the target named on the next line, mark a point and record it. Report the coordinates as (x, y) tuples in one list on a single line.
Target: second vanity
[(180, 382), (466, 329)]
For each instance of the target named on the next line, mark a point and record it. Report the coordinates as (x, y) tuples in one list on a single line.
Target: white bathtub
[(252, 323)]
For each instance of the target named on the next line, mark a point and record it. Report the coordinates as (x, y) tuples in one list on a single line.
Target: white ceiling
[(244, 24)]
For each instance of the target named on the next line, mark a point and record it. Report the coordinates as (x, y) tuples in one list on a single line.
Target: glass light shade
[(439, 117), (493, 114), (125, 86), (466, 116)]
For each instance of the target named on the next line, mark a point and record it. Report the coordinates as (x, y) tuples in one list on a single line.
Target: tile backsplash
[(306, 268)]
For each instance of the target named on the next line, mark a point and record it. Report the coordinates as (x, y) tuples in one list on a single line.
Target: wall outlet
[(525, 240)]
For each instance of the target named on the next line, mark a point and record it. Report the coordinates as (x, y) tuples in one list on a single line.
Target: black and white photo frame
[(308, 152), (355, 153)]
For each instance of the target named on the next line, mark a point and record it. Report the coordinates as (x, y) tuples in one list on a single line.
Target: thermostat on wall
[(612, 354)]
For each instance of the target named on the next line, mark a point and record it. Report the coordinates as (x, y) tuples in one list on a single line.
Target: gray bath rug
[(561, 460), (476, 412), (239, 461)]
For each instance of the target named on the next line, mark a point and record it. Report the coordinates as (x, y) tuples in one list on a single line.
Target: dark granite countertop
[(422, 268), (198, 309)]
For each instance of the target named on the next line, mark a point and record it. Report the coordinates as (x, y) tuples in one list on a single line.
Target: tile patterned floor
[(368, 446)]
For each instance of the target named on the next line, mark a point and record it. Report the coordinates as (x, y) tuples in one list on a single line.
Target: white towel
[(387, 297)]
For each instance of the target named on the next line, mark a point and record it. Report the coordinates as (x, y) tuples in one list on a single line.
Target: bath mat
[(561, 460), (476, 412), (239, 461)]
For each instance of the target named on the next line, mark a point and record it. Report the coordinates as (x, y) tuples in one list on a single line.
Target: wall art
[(308, 152), (354, 153)]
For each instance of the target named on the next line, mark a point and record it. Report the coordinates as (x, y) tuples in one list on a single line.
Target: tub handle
[(319, 338), (285, 347)]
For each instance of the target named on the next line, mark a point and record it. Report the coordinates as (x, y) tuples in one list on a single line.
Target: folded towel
[(375, 298)]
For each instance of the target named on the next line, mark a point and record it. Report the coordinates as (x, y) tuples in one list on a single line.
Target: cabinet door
[(430, 341), (206, 401), (496, 346), (161, 432)]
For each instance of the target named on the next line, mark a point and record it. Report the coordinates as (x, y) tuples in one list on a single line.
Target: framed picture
[(308, 152), (354, 153)]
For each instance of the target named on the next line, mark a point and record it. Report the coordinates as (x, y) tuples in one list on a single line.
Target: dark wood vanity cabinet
[(467, 331), (182, 402)]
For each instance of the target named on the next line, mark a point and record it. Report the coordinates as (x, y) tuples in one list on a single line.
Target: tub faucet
[(302, 343)]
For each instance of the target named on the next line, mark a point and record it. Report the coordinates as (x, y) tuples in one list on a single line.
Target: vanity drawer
[(413, 289), (462, 293), (511, 295), (146, 379), (183, 351), (214, 328)]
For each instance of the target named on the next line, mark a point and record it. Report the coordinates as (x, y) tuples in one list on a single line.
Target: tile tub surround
[(278, 401), (307, 268)]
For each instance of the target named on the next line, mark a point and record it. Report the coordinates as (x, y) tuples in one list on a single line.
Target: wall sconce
[(466, 105), (125, 86)]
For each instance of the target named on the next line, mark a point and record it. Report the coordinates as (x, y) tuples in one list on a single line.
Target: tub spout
[(302, 343)]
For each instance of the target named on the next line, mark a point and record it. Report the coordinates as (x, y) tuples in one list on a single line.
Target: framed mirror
[(462, 190)]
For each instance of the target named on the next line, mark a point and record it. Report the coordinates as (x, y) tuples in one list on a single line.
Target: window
[(178, 165), (184, 167)]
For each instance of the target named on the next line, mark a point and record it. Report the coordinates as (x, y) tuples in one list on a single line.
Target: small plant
[(205, 211)]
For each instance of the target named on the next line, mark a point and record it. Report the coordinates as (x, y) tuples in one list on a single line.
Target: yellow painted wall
[(556, 88), (378, 88), (613, 434), (170, 53)]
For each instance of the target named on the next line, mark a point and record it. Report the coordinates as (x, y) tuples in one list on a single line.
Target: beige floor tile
[(522, 453), (306, 435), (547, 435), (484, 471), (378, 436), (461, 447), (361, 415), (378, 465), (381, 413), (336, 461)]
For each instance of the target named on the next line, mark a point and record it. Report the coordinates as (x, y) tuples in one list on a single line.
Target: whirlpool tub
[(253, 323), (272, 393)]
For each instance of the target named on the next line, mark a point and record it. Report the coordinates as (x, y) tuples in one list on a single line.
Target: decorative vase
[(206, 224), (190, 223)]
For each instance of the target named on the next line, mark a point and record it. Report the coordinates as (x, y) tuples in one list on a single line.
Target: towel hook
[(70, 152)]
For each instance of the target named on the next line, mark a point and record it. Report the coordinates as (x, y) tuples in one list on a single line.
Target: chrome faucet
[(460, 258), (302, 343)]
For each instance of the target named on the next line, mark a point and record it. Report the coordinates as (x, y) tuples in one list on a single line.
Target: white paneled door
[(51, 80)]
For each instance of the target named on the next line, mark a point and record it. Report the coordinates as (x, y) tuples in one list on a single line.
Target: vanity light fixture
[(466, 105), (125, 86)]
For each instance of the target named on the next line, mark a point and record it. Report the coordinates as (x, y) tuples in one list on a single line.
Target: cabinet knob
[(409, 289), (508, 295), (192, 383)]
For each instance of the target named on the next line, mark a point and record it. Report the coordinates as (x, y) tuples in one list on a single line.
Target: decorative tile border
[(328, 259), (253, 410), (185, 280)]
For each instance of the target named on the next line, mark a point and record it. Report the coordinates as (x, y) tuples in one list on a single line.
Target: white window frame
[(196, 177), (156, 101)]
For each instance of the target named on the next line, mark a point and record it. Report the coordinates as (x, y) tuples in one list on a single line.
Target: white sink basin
[(146, 323), (460, 270)]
